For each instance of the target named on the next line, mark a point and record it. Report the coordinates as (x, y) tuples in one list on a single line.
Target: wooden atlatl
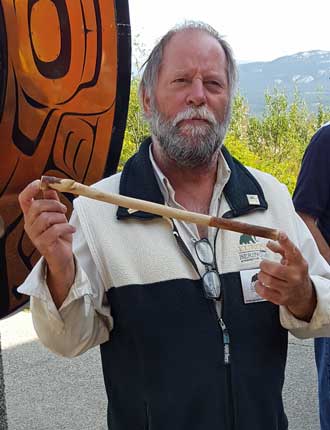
[(70, 186)]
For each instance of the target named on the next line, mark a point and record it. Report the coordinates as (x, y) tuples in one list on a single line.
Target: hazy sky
[(256, 29)]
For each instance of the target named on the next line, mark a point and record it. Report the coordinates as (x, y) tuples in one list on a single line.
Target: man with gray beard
[(192, 321), (204, 141)]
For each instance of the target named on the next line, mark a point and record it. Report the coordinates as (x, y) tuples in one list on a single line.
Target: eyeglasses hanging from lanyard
[(212, 286), (211, 278)]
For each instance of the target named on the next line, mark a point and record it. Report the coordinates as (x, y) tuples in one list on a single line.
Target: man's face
[(189, 110)]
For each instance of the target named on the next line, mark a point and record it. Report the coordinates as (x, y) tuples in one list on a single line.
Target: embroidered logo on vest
[(250, 250)]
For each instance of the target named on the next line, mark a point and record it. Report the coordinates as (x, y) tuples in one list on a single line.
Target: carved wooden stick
[(70, 186)]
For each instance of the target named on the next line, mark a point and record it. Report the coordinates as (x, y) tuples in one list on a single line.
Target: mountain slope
[(308, 72)]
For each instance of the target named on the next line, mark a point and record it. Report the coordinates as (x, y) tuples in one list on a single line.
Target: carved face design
[(61, 64)]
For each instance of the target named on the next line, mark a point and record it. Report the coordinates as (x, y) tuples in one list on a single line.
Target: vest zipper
[(146, 408), (226, 340), (229, 403), (229, 409)]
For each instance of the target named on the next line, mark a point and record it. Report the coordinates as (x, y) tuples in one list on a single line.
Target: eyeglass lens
[(204, 251), (212, 284)]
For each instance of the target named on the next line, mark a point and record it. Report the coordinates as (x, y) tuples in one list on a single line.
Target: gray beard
[(196, 148)]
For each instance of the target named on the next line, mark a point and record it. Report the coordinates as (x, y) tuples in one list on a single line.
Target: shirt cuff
[(319, 325), (36, 286)]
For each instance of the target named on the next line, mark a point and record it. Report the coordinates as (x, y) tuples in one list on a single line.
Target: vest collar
[(138, 180), (242, 192)]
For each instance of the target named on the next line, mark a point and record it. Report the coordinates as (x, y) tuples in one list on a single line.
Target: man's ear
[(146, 100)]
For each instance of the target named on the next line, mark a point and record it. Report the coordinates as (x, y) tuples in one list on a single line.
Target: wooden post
[(3, 412)]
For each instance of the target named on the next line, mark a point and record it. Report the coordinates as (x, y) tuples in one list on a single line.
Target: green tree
[(137, 127), (323, 115), (239, 118), (278, 138)]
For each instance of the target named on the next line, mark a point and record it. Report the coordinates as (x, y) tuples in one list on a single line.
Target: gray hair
[(153, 63)]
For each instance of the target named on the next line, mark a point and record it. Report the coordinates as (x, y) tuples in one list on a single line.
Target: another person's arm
[(322, 245), (311, 196)]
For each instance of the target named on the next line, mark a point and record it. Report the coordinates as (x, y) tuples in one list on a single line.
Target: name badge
[(248, 280)]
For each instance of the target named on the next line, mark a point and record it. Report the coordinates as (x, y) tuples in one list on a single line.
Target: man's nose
[(196, 95)]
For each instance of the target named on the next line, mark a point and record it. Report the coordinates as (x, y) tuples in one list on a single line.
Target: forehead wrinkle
[(193, 65), (193, 69)]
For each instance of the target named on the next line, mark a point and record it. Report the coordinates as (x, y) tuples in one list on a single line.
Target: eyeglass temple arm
[(73, 187)]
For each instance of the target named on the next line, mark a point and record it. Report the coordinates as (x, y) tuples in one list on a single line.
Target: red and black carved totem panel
[(64, 88)]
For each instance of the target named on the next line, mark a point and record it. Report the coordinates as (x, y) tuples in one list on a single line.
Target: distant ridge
[(308, 72)]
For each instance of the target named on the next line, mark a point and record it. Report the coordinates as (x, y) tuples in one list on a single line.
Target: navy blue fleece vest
[(164, 367)]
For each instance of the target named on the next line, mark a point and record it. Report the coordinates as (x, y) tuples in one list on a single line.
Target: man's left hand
[(287, 283)]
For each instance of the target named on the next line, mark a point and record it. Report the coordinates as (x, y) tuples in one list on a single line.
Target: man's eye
[(213, 83), (180, 80)]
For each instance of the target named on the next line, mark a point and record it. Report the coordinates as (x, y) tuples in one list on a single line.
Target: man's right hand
[(48, 228)]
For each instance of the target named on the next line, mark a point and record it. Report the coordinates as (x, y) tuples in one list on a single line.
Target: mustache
[(195, 113)]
